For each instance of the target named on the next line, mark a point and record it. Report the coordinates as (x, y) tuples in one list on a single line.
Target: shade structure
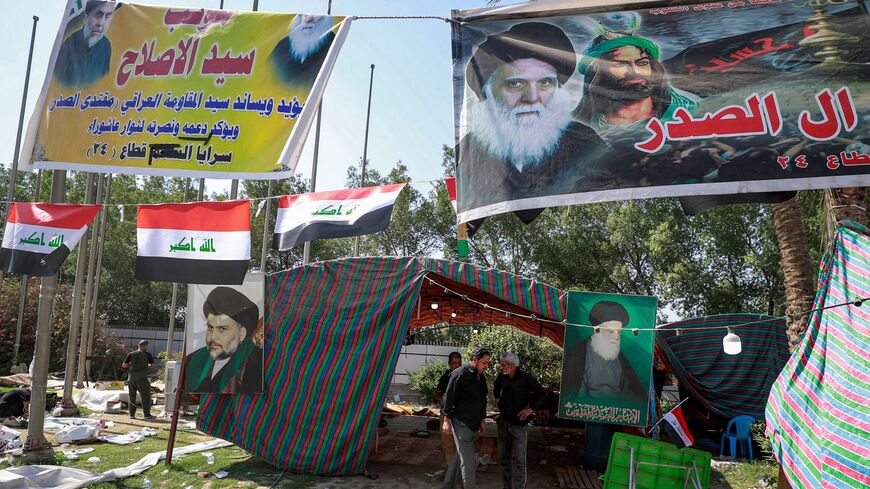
[(818, 414), (729, 385), (333, 334)]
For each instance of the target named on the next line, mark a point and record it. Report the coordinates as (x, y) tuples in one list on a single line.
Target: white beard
[(524, 141), (303, 43), (603, 347), (92, 41)]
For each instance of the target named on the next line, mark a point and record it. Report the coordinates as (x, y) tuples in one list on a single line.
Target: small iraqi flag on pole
[(38, 237), (333, 214), (197, 243), (461, 228), (674, 424)]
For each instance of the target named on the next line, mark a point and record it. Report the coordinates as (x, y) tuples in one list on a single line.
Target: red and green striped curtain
[(729, 385), (333, 335), (818, 415)]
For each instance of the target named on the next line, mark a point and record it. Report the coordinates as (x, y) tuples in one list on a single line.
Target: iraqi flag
[(450, 182), (333, 214), (196, 243), (674, 424), (38, 237)]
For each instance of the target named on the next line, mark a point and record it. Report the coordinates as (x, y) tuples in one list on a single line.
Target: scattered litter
[(203, 474), (94, 460), (222, 474), (558, 448), (209, 457), (77, 433), (191, 425), (146, 484), (128, 438), (9, 439), (165, 471), (484, 459), (188, 487), (72, 454)]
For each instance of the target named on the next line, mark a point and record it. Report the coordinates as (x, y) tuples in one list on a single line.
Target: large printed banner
[(606, 364), (181, 92), (574, 105)]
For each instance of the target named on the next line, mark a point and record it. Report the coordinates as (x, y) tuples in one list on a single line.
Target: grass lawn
[(744, 475)]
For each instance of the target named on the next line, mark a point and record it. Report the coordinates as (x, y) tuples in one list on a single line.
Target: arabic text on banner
[(181, 92)]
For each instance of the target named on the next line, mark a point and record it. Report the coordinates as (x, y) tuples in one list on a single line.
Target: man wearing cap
[(85, 54), (522, 141), (596, 366), (464, 411), (625, 85), (230, 362), (138, 362)]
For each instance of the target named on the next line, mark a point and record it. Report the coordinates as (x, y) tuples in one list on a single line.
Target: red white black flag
[(195, 243), (38, 236), (333, 214), (674, 424), (450, 183)]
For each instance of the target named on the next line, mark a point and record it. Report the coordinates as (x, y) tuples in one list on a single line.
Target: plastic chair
[(740, 433)]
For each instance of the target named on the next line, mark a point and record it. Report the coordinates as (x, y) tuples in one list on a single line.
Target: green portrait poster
[(606, 368)]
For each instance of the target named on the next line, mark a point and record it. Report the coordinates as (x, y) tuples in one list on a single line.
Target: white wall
[(413, 357)]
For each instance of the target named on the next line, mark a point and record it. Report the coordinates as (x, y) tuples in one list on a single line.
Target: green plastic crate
[(658, 452)]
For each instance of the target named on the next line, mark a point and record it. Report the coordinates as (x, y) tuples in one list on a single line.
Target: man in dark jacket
[(596, 367), (454, 361), (518, 394), (465, 410), (85, 55)]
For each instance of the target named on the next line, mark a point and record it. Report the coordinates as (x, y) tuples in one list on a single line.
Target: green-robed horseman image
[(625, 85), (85, 55), (230, 362)]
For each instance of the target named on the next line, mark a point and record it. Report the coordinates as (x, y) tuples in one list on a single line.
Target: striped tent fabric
[(729, 385), (818, 414), (333, 335)]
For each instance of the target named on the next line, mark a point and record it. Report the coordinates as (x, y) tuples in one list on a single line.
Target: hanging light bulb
[(434, 306), (453, 314), (731, 343)]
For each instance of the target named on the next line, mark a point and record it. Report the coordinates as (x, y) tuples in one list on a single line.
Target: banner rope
[(856, 302), (404, 17)]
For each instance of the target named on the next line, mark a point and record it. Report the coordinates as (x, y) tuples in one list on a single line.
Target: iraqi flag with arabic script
[(38, 237), (333, 214), (195, 243), (674, 425)]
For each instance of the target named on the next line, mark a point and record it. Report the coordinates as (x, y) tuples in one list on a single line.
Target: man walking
[(518, 393), (464, 410), (454, 361), (138, 362)]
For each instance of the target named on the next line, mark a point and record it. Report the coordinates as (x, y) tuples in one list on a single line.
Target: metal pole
[(75, 315), (13, 172), (265, 248), (93, 318), (201, 192), (36, 440), (22, 296), (365, 150), (171, 332), (306, 248), (89, 288)]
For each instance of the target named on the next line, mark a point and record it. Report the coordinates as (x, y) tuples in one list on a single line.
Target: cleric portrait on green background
[(607, 359)]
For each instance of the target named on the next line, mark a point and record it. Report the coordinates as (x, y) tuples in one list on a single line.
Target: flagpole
[(663, 415), (89, 287), (22, 296), (171, 333), (36, 440), (93, 319), (75, 315), (13, 172), (365, 150), (306, 248)]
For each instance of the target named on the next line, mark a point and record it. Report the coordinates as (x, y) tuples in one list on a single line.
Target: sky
[(412, 112)]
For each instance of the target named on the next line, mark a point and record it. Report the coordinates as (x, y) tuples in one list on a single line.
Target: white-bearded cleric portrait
[(298, 56), (522, 141), (85, 54)]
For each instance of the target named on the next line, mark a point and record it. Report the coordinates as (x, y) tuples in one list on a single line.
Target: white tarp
[(96, 400), (58, 477)]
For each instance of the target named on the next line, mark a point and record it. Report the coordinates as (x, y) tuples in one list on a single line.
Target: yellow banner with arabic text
[(181, 92)]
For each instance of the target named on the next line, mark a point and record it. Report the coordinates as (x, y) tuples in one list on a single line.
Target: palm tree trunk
[(796, 267)]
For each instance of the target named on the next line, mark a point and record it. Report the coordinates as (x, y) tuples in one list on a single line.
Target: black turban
[(536, 40), (608, 311), (230, 302)]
